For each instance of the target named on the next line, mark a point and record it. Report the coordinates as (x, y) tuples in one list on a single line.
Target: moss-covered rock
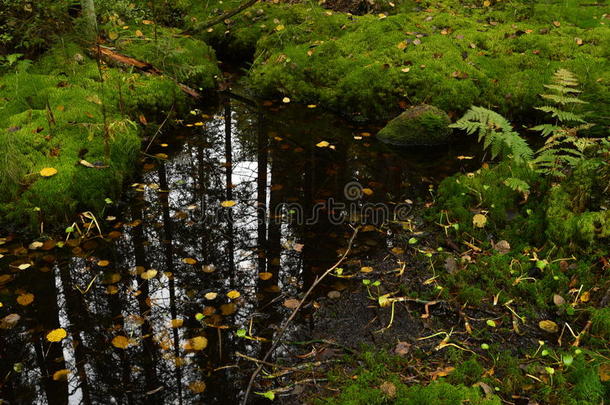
[(420, 125)]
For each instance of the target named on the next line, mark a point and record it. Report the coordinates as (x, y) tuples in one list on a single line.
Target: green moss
[(420, 125), (600, 319), (51, 114)]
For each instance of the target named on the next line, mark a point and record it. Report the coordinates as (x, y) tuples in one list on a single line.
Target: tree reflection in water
[(261, 160)]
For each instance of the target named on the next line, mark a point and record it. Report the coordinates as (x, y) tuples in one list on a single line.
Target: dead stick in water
[(282, 330)]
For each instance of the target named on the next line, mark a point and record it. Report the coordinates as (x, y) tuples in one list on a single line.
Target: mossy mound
[(56, 113), (448, 54), (420, 125)]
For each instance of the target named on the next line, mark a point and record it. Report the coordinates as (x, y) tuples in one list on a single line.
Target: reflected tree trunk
[(229, 186)]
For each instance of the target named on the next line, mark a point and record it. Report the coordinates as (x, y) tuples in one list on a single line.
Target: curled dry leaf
[(9, 321), (61, 375)]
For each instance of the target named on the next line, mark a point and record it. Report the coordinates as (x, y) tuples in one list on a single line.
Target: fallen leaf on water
[(333, 295), (48, 172), (120, 342), (366, 269), (367, 191), (285, 100), (196, 343), (197, 387), (57, 335), (103, 263), (291, 303), (35, 245), (208, 268), (233, 294), (548, 326), (211, 296), (9, 321), (265, 276), (25, 299), (228, 204), (322, 144), (24, 266), (148, 274), (189, 260), (61, 375)]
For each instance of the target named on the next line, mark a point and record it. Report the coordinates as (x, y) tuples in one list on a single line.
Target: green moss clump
[(600, 319), (52, 117), (420, 125)]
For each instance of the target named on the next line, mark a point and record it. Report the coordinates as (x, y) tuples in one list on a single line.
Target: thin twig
[(282, 330), (159, 129)]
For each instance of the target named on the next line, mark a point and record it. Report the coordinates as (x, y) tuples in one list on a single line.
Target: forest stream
[(234, 213)]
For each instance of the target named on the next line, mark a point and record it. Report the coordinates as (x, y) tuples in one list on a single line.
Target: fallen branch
[(227, 15), (282, 330), (114, 57)]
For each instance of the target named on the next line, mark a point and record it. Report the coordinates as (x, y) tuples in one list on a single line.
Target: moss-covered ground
[(63, 110), (451, 54)]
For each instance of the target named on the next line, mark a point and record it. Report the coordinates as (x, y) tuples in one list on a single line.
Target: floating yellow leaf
[(265, 276), (211, 296), (322, 144), (312, 106), (9, 321), (548, 326), (285, 100), (208, 268), (228, 309), (61, 375), (177, 323), (25, 299), (48, 172), (24, 266), (233, 294), (103, 263), (228, 204), (197, 387), (367, 191), (57, 335), (189, 260), (120, 342), (196, 343), (148, 274), (366, 269), (479, 220), (291, 303)]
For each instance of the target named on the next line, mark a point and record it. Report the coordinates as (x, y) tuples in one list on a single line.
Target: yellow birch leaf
[(48, 172), (57, 335)]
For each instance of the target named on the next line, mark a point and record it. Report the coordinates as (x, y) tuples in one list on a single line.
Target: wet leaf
[(367, 191), (228, 204), (197, 387), (479, 220), (48, 172), (228, 309), (402, 348), (9, 321), (61, 375), (177, 323), (211, 296), (196, 343), (233, 294), (139, 33), (35, 245), (103, 263), (25, 299), (149, 274), (285, 100), (265, 276), (189, 260), (366, 269), (585, 297), (279, 27), (548, 326), (208, 268), (57, 335), (322, 144), (333, 295), (291, 303), (120, 342)]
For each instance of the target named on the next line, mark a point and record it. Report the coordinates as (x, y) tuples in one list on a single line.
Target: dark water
[(275, 167)]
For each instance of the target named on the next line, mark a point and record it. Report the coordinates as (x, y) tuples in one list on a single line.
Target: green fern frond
[(561, 89), (496, 132), (561, 115), (517, 185), (563, 100)]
